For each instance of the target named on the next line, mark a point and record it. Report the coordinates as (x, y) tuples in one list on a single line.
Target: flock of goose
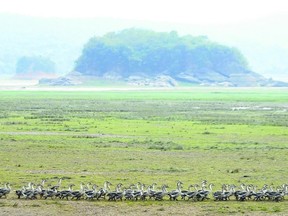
[(140, 191)]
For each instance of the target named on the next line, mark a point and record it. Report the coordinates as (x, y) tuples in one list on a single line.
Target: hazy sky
[(182, 11), (256, 27)]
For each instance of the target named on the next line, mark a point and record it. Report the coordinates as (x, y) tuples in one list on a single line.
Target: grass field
[(224, 135)]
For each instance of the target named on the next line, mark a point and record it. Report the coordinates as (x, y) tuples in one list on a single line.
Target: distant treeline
[(134, 51), (28, 64)]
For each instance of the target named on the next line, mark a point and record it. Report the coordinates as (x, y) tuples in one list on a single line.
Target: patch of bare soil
[(11, 207), (36, 133), (64, 207)]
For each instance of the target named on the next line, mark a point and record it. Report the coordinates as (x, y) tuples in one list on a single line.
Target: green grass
[(194, 93), (222, 135)]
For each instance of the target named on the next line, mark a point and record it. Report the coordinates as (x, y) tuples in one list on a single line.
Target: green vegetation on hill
[(142, 52)]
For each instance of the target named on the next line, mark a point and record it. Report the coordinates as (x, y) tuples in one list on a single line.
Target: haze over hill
[(144, 57), (263, 42)]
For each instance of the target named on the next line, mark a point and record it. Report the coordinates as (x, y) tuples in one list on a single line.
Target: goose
[(151, 190), (281, 189), (91, 194), (117, 194), (243, 195), (78, 194), (218, 195), (29, 186), (230, 189), (278, 197), (252, 188), (204, 184), (269, 192), (43, 182), (175, 193), (29, 192), (225, 194), (145, 194), (111, 195), (103, 191), (65, 193), (274, 195), (5, 191), (153, 185), (50, 193), (58, 185), (285, 189), (184, 192), (243, 190), (160, 195), (128, 192), (279, 194), (258, 196), (40, 190), (193, 194), (139, 192), (19, 193), (203, 194), (87, 186)]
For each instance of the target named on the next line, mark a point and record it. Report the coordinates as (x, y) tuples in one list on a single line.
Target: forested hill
[(147, 54)]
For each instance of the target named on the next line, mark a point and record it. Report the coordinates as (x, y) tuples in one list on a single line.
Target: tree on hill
[(134, 51)]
